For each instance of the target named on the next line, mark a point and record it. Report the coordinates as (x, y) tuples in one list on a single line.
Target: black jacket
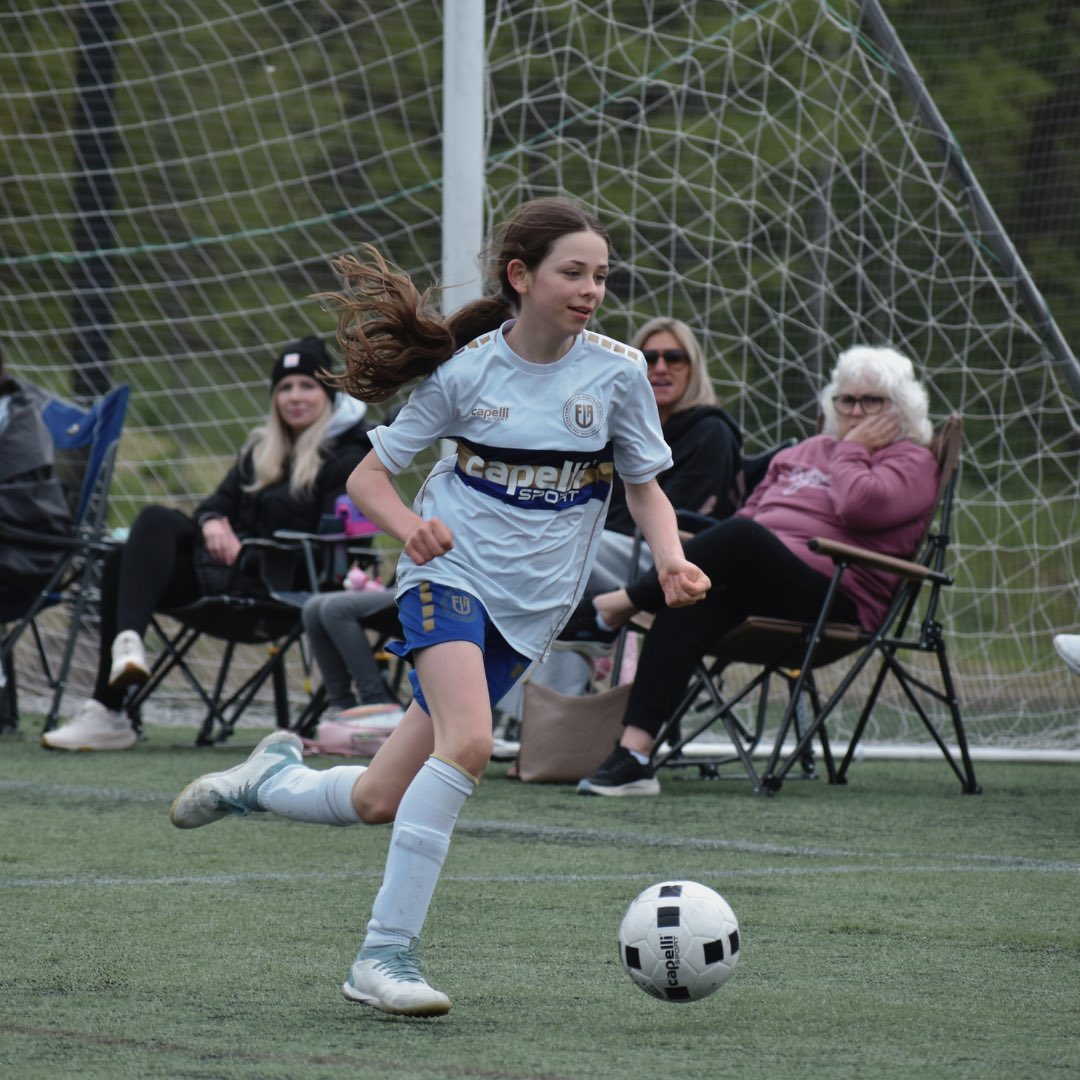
[(706, 448), (31, 497), (262, 513)]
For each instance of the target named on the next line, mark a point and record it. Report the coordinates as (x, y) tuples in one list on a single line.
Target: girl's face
[(568, 285), (669, 371), (300, 401)]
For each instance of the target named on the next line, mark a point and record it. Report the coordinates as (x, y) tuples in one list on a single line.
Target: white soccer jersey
[(527, 491)]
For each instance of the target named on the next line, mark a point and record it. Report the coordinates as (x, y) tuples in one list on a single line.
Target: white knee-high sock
[(321, 796), (425, 820)]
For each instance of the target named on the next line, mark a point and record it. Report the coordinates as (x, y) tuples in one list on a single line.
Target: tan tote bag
[(565, 738)]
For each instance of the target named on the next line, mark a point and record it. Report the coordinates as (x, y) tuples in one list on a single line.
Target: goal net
[(179, 175)]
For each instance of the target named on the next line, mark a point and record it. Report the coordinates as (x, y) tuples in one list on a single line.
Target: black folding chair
[(752, 471), (292, 565), (792, 651)]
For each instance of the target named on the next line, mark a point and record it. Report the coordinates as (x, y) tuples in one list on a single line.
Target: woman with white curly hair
[(868, 479)]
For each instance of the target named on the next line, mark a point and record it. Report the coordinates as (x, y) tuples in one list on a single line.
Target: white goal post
[(778, 174)]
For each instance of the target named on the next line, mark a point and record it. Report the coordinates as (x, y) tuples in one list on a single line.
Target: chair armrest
[(295, 534), (352, 544), (311, 548), (690, 521), (840, 552)]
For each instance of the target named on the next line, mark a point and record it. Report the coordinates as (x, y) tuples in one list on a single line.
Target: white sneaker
[(235, 791), (1068, 647), (93, 727), (129, 666), (389, 978), (505, 749)]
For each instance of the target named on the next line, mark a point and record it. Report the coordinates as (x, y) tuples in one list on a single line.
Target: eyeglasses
[(671, 357), (869, 403)]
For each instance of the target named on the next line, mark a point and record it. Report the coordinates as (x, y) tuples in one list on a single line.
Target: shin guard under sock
[(422, 828)]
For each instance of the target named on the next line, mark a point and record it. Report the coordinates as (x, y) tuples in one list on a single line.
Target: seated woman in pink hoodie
[(869, 479)]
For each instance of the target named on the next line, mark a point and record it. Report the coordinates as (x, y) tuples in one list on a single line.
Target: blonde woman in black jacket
[(287, 476)]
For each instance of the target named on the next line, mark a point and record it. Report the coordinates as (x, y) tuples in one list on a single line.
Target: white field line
[(897, 862), (696, 873)]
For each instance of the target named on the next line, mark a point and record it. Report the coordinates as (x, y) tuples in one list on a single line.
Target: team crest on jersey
[(583, 415)]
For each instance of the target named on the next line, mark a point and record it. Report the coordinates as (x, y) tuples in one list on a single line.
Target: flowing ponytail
[(391, 333)]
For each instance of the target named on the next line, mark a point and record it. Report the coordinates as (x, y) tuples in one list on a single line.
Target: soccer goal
[(777, 174)]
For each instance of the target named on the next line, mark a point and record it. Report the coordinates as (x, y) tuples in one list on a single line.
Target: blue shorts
[(432, 613)]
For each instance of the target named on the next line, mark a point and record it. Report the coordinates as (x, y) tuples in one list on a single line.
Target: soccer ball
[(679, 941)]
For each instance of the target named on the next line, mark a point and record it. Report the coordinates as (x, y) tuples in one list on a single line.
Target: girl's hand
[(428, 539), (221, 541), (684, 583)]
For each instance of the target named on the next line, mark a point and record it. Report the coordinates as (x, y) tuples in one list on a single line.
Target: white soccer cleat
[(235, 791), (129, 667), (389, 978), (93, 727)]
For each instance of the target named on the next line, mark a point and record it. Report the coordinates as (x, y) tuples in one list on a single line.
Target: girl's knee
[(375, 805), (473, 757)]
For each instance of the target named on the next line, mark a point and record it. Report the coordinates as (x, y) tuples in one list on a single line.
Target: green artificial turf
[(891, 928)]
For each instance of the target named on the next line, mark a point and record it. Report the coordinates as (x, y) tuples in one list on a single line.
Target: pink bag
[(357, 732)]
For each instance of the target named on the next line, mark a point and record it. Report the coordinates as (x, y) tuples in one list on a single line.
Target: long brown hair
[(392, 333)]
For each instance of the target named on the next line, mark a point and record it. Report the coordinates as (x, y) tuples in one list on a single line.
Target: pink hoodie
[(881, 501)]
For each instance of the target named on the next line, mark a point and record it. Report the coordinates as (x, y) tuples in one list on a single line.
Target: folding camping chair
[(754, 468), (85, 442), (313, 561), (793, 651)]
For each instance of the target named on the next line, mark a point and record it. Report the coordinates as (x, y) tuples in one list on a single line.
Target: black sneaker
[(582, 628), (620, 774)]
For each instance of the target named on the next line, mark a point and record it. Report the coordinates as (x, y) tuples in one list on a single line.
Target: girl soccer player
[(497, 546)]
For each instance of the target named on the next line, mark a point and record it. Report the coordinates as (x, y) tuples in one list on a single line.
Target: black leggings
[(153, 571), (752, 573)]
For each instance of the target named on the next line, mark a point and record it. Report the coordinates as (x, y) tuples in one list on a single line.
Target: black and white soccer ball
[(679, 941)]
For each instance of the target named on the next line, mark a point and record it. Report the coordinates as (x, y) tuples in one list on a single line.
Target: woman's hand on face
[(221, 541), (877, 431), (427, 540)]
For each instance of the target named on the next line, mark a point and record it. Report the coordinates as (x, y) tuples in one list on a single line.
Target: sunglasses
[(671, 357)]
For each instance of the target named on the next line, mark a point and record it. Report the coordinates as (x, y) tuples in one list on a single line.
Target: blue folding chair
[(85, 442)]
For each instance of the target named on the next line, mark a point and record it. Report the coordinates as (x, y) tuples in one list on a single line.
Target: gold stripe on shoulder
[(482, 340), (611, 345), (475, 343)]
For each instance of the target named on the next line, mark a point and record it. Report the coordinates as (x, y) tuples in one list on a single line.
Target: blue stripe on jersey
[(536, 479)]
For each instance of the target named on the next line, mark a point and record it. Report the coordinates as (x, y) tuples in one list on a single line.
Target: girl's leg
[(455, 687), (420, 779), (386, 972), (350, 794)]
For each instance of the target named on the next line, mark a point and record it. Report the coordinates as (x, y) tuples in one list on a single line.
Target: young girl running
[(497, 546)]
